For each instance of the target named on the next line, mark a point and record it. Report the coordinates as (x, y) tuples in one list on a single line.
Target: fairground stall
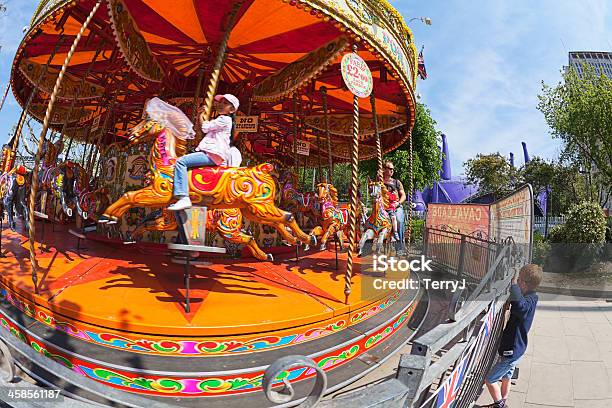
[(99, 284)]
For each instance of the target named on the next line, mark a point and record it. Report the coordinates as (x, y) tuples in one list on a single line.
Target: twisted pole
[(353, 196), (24, 113), (330, 163), (411, 189), (4, 95), (216, 72), (296, 165), (43, 134), (379, 156)]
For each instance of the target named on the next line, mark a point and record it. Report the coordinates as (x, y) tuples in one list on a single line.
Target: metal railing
[(466, 256)]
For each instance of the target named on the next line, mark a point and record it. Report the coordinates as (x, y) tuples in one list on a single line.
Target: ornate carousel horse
[(378, 224), (251, 190), (332, 220), (68, 183), (13, 194), (301, 204), (227, 223), (91, 204)]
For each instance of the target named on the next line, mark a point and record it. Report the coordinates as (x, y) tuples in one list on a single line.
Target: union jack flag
[(449, 391), (422, 70)]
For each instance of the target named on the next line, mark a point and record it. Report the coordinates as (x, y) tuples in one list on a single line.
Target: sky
[(485, 59)]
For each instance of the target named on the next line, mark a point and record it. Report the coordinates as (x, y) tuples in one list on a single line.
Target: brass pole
[(4, 96), (24, 113), (353, 196), (43, 134), (330, 170), (379, 157), (296, 164), (216, 72)]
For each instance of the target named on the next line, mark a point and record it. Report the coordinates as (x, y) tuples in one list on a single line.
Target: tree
[(579, 112), (426, 157), (493, 174), (567, 185)]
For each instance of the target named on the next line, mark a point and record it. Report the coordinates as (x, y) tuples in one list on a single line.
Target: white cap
[(230, 98)]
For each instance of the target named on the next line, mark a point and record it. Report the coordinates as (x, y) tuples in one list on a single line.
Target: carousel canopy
[(280, 55)]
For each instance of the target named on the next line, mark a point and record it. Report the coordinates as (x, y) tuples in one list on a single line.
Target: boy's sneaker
[(497, 404)]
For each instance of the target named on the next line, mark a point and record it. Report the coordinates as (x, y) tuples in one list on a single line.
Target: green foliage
[(585, 224), (493, 174), (579, 112), (580, 240), (416, 236), (541, 249), (427, 159)]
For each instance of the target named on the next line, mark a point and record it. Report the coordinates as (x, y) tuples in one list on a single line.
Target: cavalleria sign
[(357, 75)]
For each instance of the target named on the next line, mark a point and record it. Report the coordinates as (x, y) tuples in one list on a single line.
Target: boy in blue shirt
[(523, 301)]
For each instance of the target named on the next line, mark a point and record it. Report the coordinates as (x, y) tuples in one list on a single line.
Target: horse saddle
[(206, 178)]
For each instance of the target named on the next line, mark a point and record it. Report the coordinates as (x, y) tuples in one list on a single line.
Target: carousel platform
[(115, 315)]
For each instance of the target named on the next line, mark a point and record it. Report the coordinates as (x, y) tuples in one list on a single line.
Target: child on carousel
[(215, 149)]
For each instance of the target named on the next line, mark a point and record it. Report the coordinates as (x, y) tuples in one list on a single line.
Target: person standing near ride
[(214, 149), (396, 190)]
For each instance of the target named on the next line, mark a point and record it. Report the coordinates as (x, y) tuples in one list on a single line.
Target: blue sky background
[(485, 60)]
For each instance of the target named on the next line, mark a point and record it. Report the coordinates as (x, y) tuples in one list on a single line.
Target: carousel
[(137, 304)]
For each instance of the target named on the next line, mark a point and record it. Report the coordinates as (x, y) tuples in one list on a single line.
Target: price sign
[(247, 124), (303, 147), (357, 75)]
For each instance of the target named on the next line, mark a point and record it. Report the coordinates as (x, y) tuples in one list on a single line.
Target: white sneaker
[(182, 204)]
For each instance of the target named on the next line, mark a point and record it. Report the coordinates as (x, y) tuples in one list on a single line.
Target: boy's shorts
[(504, 368)]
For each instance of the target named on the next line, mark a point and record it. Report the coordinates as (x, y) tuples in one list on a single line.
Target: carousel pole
[(43, 133), (296, 166), (411, 189), (330, 163), (379, 156), (24, 113), (4, 95), (353, 196), (216, 72)]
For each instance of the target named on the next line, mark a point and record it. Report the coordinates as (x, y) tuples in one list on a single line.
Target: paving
[(568, 362)]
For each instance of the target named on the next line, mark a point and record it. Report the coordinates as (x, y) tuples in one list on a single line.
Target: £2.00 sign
[(357, 75)]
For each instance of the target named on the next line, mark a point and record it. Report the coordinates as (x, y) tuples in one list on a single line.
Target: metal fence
[(539, 223), (467, 256)]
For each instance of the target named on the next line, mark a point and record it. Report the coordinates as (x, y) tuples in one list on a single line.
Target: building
[(601, 61)]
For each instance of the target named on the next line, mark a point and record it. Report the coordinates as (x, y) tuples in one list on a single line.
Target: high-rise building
[(601, 61)]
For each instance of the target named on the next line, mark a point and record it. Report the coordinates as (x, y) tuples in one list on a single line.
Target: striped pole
[(216, 72), (41, 140), (379, 158), (4, 95), (330, 163), (353, 196)]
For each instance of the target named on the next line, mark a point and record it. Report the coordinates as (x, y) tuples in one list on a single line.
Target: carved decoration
[(70, 84), (132, 44), (294, 75)]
